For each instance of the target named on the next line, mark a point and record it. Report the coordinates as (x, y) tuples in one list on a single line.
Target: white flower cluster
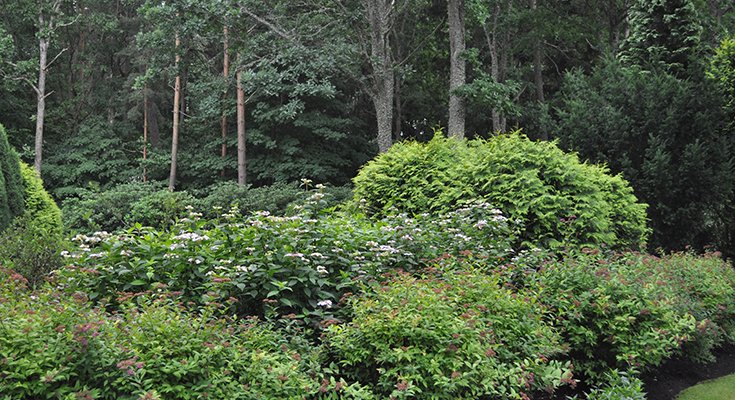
[(191, 236)]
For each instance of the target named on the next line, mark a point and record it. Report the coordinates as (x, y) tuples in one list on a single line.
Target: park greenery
[(360, 199)]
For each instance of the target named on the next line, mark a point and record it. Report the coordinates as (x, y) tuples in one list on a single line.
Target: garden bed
[(677, 374)]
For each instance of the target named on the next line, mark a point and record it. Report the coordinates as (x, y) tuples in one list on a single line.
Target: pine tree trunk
[(145, 131), (241, 144), (176, 112), (225, 73), (538, 77), (43, 45), (457, 76)]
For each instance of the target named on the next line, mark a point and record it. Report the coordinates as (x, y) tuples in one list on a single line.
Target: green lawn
[(716, 389)]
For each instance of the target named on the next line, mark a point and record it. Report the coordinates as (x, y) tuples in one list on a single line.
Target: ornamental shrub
[(557, 198), (32, 243), (106, 210), (453, 335), (612, 313), (58, 346), (300, 264), (11, 186), (41, 209)]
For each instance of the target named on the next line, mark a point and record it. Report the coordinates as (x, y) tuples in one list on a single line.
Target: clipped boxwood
[(558, 198)]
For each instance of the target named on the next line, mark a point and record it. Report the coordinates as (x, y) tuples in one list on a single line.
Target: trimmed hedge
[(559, 199)]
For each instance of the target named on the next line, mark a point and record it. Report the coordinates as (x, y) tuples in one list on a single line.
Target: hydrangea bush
[(262, 263)]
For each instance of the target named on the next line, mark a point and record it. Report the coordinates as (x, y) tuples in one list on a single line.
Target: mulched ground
[(676, 375)]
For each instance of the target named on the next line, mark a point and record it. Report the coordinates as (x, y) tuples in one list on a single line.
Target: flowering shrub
[(453, 335), (297, 264), (608, 317), (703, 286), (57, 346)]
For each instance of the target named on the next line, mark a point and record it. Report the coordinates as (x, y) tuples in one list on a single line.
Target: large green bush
[(453, 335), (557, 197), (11, 185)]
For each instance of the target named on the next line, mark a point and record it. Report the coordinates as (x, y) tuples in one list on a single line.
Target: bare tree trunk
[(492, 42), (241, 145), (457, 75), (145, 131), (538, 77), (176, 112), (380, 15), (225, 73), (43, 45)]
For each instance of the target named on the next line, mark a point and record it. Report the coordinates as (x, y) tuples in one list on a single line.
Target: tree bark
[(538, 76), (241, 144), (380, 14), (225, 73), (457, 75), (145, 131), (176, 112), (43, 45)]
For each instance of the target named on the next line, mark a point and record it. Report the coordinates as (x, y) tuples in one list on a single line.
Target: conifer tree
[(662, 33), (11, 186)]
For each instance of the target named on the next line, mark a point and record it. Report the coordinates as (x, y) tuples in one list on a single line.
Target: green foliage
[(702, 286), (54, 346), (11, 186), (619, 385), (722, 70), (31, 249), (41, 210), (107, 210), (633, 310), (160, 209), (125, 205), (557, 198), (32, 243), (663, 34), (448, 335), (300, 264), (674, 153)]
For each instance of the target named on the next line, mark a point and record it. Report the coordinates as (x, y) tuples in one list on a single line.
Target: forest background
[(104, 93)]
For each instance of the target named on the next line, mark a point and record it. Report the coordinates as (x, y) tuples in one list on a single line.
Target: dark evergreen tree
[(675, 152), (11, 184), (662, 33)]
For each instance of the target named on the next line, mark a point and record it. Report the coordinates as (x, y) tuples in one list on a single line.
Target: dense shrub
[(41, 210), (558, 198), (125, 205), (33, 242), (454, 335), (615, 312), (57, 346), (702, 286), (302, 263), (160, 209), (11, 186), (103, 210)]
